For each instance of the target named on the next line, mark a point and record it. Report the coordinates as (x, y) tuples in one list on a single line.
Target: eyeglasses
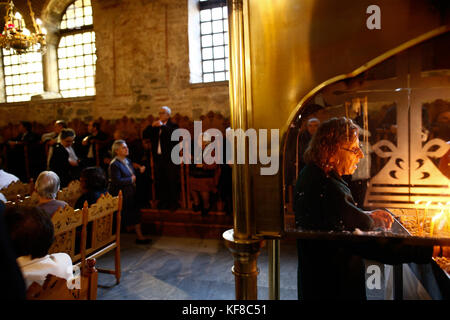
[(355, 151)]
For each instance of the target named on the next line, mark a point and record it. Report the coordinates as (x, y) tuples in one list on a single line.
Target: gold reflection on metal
[(240, 104), (409, 175), (429, 35)]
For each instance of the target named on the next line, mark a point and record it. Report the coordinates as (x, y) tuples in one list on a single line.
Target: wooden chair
[(71, 193), (104, 237), (67, 222), (17, 190), (55, 288)]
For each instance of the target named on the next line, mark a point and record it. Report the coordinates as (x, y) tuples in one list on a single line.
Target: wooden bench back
[(101, 214), (31, 201), (17, 190), (67, 223), (55, 288), (71, 193)]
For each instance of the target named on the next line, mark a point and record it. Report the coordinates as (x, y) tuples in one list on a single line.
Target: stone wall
[(142, 64)]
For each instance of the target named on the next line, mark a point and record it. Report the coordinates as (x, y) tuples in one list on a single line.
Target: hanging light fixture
[(16, 36)]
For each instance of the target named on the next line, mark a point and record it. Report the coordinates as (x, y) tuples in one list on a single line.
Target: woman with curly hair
[(323, 202)]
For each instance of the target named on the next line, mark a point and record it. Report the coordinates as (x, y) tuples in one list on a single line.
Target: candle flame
[(440, 220)]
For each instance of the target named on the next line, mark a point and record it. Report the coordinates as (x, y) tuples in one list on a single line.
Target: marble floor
[(172, 268)]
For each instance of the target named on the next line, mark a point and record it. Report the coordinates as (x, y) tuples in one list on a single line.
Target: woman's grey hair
[(116, 144), (47, 184)]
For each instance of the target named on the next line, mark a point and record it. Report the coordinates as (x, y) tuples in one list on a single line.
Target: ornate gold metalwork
[(408, 44)]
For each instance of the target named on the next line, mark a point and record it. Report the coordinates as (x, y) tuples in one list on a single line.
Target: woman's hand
[(142, 169), (73, 163), (382, 219)]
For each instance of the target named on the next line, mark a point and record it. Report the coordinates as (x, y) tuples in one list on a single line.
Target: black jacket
[(164, 138), (335, 269), (59, 163)]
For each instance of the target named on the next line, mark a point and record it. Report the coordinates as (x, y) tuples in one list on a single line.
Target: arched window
[(23, 75), (76, 51), (214, 40)]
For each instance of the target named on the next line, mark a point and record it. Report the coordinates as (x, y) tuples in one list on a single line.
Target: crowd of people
[(67, 154), (28, 231)]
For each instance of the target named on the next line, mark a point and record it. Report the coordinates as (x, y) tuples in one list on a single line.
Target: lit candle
[(448, 216), (425, 215), (39, 24), (433, 221), (417, 212), (437, 217), (18, 16)]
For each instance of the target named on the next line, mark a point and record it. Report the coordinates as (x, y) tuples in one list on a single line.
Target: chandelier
[(16, 36)]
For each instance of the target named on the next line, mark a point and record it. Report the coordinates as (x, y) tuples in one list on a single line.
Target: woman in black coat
[(122, 177), (323, 202)]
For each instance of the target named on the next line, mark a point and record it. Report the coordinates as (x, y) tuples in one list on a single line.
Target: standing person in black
[(52, 138), (90, 142), (16, 152), (64, 162), (122, 177), (323, 202), (166, 172)]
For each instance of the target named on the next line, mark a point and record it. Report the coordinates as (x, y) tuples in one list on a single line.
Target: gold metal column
[(245, 267), (240, 241), (273, 248)]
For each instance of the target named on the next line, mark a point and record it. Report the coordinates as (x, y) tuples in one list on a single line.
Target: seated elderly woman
[(47, 187), (32, 234), (93, 183), (323, 202)]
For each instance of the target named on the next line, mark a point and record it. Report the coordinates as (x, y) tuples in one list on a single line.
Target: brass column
[(241, 242), (245, 267), (273, 247)]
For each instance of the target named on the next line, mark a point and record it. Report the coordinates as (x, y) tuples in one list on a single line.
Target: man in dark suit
[(166, 172), (16, 153), (94, 138)]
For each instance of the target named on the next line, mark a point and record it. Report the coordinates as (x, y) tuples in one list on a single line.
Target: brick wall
[(142, 64)]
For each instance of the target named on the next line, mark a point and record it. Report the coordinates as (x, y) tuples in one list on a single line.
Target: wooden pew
[(67, 222), (71, 193), (55, 288), (104, 238), (17, 190)]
